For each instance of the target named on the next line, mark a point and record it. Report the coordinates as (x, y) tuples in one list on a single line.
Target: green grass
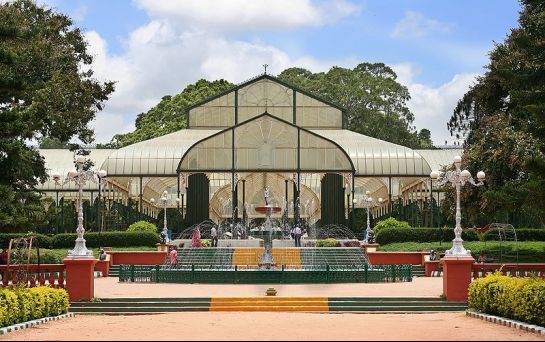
[(528, 251)]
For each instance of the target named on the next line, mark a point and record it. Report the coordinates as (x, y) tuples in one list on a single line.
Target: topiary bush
[(110, 239), (390, 223), (142, 226), (22, 304), (330, 242), (517, 298)]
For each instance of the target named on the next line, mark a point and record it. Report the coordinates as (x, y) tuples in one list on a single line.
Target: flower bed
[(518, 298), (22, 304)]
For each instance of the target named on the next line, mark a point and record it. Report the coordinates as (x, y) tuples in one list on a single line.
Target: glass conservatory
[(262, 133)]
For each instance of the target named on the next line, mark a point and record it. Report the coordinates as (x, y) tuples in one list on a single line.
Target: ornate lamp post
[(80, 177), (164, 202), (457, 178), (369, 202)]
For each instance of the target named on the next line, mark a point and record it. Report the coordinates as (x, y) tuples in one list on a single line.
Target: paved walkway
[(273, 326), (419, 287)]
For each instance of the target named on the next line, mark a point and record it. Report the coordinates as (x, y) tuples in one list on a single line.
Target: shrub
[(9, 307), (330, 242), (110, 239), (44, 241), (525, 234), (206, 243), (142, 226), (516, 298), (390, 223), (23, 304), (392, 235)]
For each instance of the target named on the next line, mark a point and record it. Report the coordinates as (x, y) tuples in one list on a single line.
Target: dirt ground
[(272, 326), (419, 287)]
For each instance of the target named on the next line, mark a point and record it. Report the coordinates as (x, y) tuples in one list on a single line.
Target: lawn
[(527, 251)]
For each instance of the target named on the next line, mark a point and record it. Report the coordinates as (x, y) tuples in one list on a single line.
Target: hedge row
[(109, 239), (23, 304), (43, 240), (522, 299), (93, 239), (392, 235)]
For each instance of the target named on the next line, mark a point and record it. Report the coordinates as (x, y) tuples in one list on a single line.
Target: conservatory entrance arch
[(265, 151)]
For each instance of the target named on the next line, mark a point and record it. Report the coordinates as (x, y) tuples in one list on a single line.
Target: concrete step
[(287, 304)]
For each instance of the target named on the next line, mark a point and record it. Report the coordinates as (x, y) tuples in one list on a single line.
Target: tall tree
[(47, 89), (169, 115), (376, 103), (503, 117)]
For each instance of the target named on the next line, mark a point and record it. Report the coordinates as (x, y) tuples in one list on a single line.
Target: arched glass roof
[(62, 161), (155, 157), (374, 157), (265, 143)]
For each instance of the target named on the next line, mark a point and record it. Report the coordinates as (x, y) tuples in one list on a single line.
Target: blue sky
[(157, 47)]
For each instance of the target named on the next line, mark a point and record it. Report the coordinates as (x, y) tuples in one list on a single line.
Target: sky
[(152, 48)]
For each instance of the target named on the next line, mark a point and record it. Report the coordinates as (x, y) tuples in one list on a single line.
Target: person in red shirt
[(173, 256)]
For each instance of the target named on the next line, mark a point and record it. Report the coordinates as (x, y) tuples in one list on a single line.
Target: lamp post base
[(80, 251), (457, 250)]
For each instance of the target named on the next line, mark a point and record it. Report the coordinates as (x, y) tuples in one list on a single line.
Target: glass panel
[(219, 112), (314, 152), (265, 143), (213, 153), (312, 113), (265, 96)]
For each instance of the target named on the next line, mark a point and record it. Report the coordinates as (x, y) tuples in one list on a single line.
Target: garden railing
[(481, 270), (33, 275)]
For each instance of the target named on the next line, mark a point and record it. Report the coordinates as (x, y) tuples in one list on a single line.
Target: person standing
[(173, 256), (297, 236), (214, 236)]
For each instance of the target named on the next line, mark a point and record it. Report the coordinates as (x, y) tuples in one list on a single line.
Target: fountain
[(267, 232)]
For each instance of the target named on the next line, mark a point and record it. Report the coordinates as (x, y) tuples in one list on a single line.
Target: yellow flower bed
[(522, 299), (23, 304)]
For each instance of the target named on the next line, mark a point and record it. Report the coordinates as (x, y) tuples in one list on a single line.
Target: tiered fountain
[(267, 232)]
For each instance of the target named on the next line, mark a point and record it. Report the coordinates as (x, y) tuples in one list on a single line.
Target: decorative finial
[(265, 66)]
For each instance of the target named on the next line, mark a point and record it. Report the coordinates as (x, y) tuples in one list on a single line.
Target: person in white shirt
[(297, 236), (214, 235)]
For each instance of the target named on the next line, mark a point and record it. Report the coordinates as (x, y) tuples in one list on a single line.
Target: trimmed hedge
[(44, 241), (528, 234), (390, 223), (23, 304), (393, 235), (529, 251), (522, 299), (142, 226), (328, 243), (110, 239)]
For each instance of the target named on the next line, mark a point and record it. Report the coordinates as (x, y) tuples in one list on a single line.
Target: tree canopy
[(47, 90), (503, 117)]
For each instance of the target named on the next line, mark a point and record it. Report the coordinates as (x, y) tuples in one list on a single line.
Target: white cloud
[(233, 15), (160, 60), (416, 25), (433, 106)]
